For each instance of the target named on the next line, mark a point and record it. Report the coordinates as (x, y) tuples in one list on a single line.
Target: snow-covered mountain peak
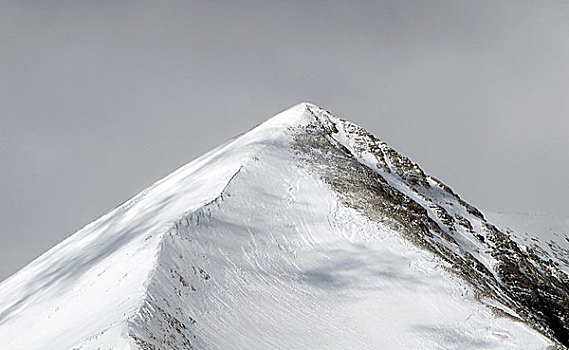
[(295, 116), (305, 232)]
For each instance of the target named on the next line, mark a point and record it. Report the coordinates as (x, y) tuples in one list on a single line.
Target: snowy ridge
[(110, 259), (305, 233)]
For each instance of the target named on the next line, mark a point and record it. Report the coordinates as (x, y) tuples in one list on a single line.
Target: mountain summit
[(307, 232)]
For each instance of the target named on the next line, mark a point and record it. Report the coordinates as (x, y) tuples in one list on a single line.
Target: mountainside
[(305, 233)]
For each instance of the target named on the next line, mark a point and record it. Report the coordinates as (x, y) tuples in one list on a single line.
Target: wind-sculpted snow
[(305, 233), (81, 292)]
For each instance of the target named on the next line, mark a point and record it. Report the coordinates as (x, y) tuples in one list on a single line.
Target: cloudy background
[(98, 99)]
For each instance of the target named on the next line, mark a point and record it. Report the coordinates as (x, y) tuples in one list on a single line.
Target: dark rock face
[(538, 286), (393, 191)]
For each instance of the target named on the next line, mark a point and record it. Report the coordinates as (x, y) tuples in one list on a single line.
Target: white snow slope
[(245, 248)]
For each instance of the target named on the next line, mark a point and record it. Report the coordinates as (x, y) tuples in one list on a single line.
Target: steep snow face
[(85, 288), (305, 233)]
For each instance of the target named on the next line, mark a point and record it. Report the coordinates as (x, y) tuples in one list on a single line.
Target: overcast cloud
[(98, 99)]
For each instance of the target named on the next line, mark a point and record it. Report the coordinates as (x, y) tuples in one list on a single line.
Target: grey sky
[(98, 99)]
